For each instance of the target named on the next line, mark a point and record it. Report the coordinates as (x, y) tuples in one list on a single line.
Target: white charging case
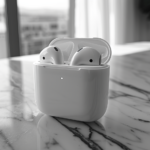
[(73, 92)]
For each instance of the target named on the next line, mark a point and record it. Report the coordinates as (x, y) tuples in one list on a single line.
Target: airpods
[(86, 56), (51, 54)]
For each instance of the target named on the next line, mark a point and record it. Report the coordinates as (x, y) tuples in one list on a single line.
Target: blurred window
[(3, 48), (40, 22), (54, 26)]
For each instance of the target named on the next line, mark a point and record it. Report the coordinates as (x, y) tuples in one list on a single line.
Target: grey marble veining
[(125, 125)]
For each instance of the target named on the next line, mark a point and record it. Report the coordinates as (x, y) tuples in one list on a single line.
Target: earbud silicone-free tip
[(86, 56), (51, 54)]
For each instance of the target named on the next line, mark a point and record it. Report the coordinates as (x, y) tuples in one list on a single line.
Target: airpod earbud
[(86, 56), (51, 54)]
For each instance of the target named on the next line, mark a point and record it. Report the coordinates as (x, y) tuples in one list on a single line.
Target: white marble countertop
[(125, 125)]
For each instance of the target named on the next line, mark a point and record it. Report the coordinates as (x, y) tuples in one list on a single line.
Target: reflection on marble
[(63, 134), (125, 125)]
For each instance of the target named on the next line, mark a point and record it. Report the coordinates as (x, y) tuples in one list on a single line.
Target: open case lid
[(70, 46)]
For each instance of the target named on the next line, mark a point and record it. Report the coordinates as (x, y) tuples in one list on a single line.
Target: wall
[(3, 46), (130, 24)]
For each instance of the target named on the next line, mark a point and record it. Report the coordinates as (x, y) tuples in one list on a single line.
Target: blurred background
[(27, 26)]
